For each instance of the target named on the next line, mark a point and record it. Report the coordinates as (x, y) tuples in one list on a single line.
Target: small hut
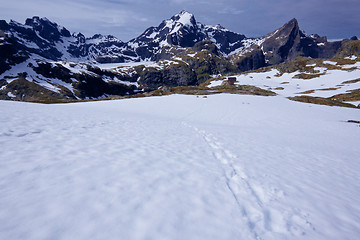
[(231, 80)]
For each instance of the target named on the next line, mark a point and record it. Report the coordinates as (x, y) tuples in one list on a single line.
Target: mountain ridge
[(170, 32), (185, 52)]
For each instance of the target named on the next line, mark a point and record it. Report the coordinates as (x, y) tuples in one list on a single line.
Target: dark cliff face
[(11, 51), (171, 76), (252, 60), (79, 48), (227, 40), (38, 36), (46, 29), (189, 31), (282, 45)]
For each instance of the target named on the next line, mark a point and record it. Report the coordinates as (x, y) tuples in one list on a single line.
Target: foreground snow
[(179, 167)]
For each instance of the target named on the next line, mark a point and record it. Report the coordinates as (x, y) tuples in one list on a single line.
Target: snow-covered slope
[(179, 167)]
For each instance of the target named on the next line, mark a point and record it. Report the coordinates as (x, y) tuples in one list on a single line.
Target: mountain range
[(42, 60)]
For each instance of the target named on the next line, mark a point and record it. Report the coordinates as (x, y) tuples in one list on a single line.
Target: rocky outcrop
[(172, 76), (349, 48), (252, 60), (289, 42)]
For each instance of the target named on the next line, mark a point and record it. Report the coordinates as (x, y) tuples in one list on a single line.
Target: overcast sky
[(126, 19)]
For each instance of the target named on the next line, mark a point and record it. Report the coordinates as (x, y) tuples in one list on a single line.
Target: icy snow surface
[(185, 18), (179, 167)]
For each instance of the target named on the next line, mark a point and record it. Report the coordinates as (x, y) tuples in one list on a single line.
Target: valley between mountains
[(43, 62)]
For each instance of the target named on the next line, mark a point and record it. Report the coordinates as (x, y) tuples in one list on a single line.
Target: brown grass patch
[(332, 67), (307, 76), (327, 89), (353, 95), (351, 81), (343, 61), (313, 90), (306, 92), (321, 101), (238, 89), (349, 69)]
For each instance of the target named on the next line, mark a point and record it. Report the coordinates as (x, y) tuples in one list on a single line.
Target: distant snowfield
[(179, 167), (129, 64)]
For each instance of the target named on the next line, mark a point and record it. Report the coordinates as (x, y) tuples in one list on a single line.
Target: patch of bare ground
[(306, 92), (343, 61), (353, 121), (351, 81), (352, 95), (307, 76), (327, 89), (226, 88), (322, 89)]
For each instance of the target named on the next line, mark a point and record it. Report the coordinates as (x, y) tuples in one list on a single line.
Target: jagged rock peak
[(293, 21), (292, 24), (36, 21), (45, 26)]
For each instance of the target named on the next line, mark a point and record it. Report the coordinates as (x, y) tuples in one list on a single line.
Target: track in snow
[(179, 167), (252, 199)]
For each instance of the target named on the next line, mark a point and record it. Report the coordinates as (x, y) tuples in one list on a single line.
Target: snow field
[(330, 83), (179, 167)]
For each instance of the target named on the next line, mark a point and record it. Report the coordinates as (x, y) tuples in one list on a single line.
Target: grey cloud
[(128, 18)]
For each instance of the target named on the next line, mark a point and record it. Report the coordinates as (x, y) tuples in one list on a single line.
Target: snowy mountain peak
[(179, 21), (180, 30), (185, 18)]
